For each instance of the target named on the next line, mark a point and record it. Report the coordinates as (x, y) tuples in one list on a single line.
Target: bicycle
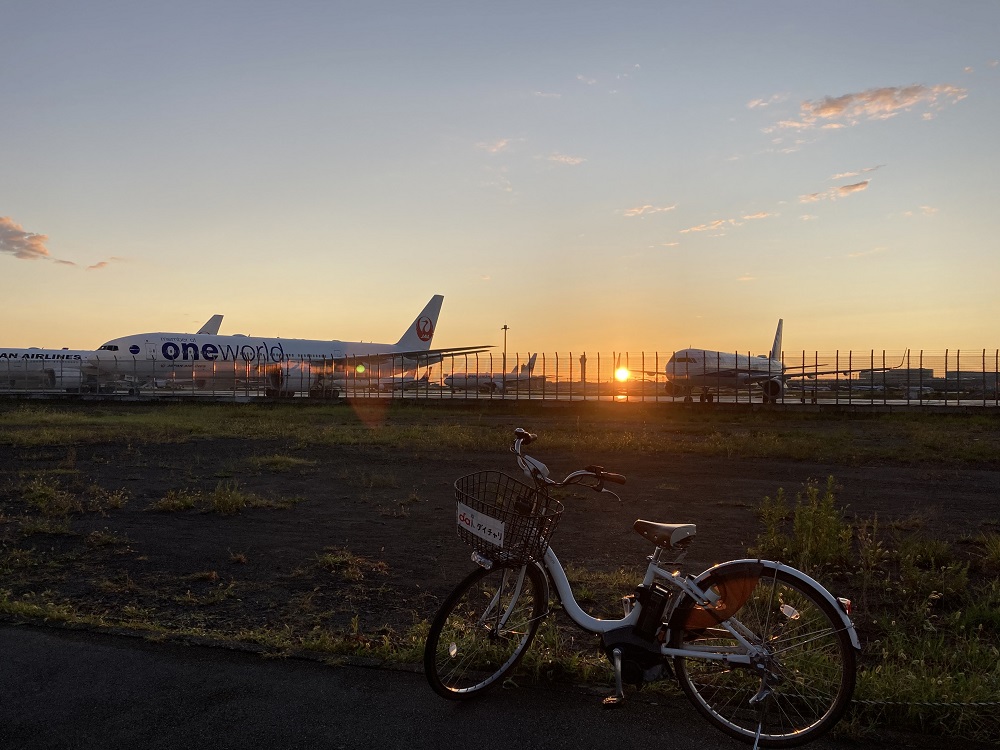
[(762, 650)]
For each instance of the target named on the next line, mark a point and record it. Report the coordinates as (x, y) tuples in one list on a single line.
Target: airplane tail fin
[(527, 368), (212, 325), (776, 346), (418, 335)]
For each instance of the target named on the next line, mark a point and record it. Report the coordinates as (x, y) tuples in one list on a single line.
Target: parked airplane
[(494, 381), (708, 370), (281, 366), (403, 381), (60, 368)]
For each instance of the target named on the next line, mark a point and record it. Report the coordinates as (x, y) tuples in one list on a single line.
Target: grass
[(853, 437), (930, 628), (228, 498)]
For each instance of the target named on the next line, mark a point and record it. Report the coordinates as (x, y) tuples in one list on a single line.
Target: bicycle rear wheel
[(803, 678), (483, 629)]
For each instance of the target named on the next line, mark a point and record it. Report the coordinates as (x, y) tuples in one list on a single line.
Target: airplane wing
[(420, 358)]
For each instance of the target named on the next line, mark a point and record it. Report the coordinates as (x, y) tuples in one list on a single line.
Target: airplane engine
[(773, 389), (290, 378)]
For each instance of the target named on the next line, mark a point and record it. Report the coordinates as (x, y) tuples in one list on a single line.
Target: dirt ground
[(367, 540)]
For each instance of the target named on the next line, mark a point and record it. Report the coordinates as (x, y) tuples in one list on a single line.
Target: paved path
[(73, 689)]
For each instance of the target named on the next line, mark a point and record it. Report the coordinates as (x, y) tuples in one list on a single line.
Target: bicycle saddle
[(677, 535)]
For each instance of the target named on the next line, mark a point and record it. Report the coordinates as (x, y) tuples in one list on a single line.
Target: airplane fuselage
[(156, 354), (701, 368)]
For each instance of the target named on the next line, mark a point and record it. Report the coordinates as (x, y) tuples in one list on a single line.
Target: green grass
[(853, 437), (228, 498), (930, 629)]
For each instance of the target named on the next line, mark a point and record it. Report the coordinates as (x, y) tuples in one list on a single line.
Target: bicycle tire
[(484, 628), (809, 658)]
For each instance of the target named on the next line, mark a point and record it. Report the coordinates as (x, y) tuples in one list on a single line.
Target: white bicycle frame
[(681, 584), (742, 655)]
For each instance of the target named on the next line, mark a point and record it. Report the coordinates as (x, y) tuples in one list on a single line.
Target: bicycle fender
[(745, 571)]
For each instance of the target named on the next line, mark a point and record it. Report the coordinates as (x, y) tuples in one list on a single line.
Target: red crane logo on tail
[(425, 329)]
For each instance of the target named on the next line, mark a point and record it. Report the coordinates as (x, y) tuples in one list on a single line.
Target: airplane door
[(150, 350)]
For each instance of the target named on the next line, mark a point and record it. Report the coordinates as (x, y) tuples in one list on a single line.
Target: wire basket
[(504, 519)]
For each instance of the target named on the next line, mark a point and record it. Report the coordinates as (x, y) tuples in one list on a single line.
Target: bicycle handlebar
[(539, 472)]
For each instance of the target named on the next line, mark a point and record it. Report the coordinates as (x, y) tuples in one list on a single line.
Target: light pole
[(505, 329)]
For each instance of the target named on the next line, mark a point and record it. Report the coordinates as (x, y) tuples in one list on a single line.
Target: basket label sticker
[(484, 526)]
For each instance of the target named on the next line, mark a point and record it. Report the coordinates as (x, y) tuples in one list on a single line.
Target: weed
[(991, 551), (348, 565), (174, 501), (48, 498), (280, 464), (103, 538)]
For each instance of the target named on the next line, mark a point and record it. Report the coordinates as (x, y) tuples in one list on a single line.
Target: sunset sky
[(597, 176)]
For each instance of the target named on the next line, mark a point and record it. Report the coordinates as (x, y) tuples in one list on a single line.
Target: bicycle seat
[(677, 535)]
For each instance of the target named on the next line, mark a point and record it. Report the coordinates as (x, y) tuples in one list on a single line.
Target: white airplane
[(403, 381), (60, 369), (281, 366), (711, 370), (494, 381)]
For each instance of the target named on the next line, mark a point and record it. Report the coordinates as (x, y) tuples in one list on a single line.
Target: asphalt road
[(74, 689)]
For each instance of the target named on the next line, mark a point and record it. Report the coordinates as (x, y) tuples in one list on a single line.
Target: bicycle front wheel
[(483, 629), (803, 665)]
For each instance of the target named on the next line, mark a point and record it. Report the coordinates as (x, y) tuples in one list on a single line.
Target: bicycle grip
[(616, 478)]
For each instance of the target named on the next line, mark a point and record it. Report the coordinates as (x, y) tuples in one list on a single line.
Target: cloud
[(835, 192), (857, 187), (808, 217), (720, 224), (747, 277), (494, 147), (584, 79), (845, 175), (773, 99), (717, 224), (670, 244), (648, 209), (924, 211), (873, 104), (546, 95), (565, 159), (21, 244)]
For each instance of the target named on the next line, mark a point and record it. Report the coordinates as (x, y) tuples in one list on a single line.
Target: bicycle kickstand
[(759, 700), (613, 701)]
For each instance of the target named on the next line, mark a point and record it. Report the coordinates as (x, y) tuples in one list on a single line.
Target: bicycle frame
[(682, 585)]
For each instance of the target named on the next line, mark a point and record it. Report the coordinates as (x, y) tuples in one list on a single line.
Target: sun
[(622, 374)]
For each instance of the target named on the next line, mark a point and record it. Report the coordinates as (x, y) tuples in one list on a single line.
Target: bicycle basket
[(504, 519)]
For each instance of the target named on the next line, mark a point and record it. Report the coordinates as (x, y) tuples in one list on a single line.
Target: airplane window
[(108, 348)]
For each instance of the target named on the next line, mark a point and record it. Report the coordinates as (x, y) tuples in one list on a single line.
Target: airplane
[(283, 367), (401, 382), (707, 369), (61, 369), (494, 381)]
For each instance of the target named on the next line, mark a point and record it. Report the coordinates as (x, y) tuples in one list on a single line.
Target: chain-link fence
[(949, 377)]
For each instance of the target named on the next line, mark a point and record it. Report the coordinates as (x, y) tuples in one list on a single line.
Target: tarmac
[(62, 688)]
